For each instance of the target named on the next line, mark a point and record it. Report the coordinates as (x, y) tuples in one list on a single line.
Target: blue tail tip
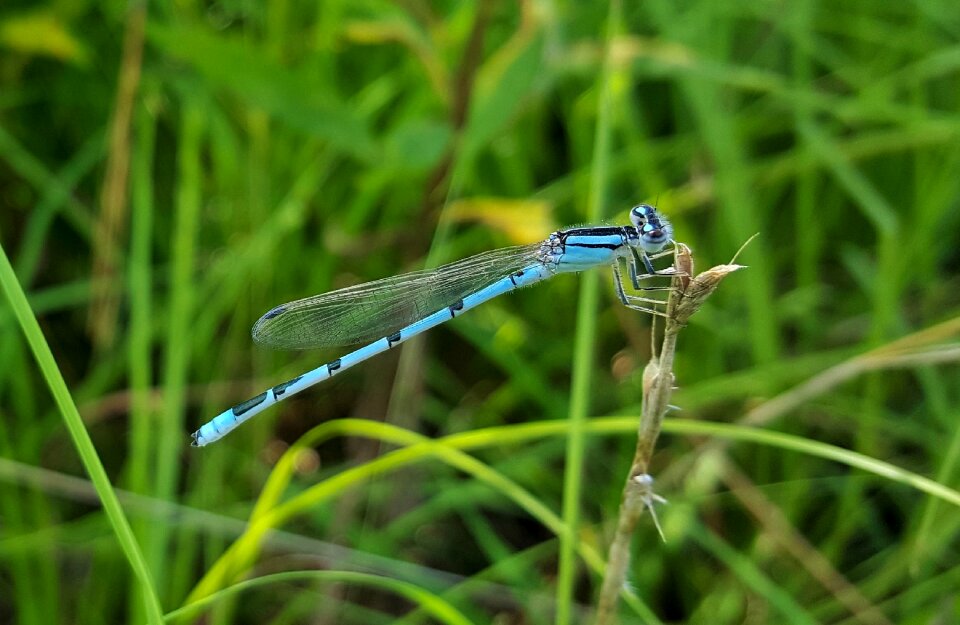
[(195, 442)]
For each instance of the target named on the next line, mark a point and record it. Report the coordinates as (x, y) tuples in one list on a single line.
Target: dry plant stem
[(785, 535), (113, 197), (655, 402), (929, 346), (687, 295)]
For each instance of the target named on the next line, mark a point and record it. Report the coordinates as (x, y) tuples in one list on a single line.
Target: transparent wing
[(376, 309)]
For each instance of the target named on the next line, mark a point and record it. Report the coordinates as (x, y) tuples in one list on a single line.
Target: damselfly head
[(654, 231)]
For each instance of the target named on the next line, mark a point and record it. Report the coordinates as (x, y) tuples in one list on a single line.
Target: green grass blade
[(746, 570), (171, 439), (583, 351), (779, 440), (429, 602), (139, 289), (79, 434), (275, 513)]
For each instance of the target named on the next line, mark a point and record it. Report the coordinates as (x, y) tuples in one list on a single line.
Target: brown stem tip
[(692, 292)]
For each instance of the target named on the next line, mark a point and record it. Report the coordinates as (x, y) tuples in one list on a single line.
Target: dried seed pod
[(698, 290), (683, 265)]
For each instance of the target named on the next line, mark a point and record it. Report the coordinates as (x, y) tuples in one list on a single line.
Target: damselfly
[(390, 311)]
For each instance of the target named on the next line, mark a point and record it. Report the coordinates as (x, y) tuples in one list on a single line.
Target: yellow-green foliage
[(170, 171)]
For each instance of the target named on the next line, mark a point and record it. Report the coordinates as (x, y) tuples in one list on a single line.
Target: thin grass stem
[(81, 438), (583, 354)]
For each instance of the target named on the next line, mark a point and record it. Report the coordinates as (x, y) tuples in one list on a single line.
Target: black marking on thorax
[(600, 231), (243, 407)]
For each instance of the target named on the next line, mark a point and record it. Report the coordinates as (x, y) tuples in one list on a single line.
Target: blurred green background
[(169, 172)]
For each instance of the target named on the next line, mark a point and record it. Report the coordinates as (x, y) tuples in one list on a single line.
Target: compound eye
[(639, 215)]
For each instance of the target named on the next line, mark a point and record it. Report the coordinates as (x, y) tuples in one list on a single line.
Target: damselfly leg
[(633, 263)]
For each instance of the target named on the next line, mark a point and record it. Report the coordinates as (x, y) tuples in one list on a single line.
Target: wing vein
[(368, 311)]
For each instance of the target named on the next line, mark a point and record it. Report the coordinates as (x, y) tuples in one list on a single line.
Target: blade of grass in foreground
[(433, 604), (583, 352), (81, 439)]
